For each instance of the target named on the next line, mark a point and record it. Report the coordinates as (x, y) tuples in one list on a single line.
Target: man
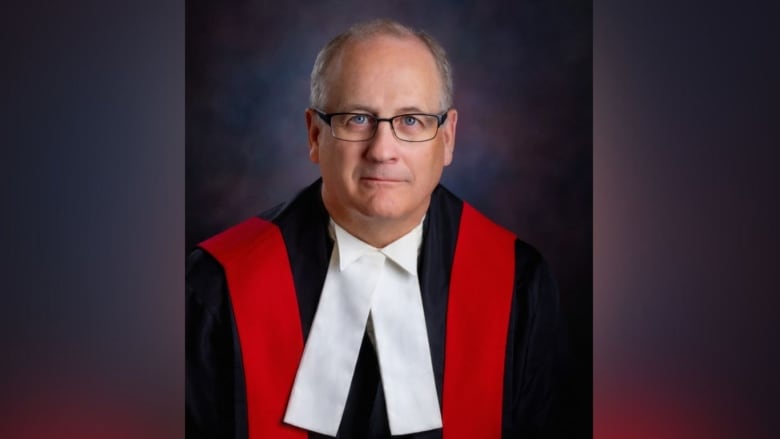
[(376, 303)]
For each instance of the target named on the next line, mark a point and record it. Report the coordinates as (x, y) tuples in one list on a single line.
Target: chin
[(379, 206), (381, 212), (388, 207)]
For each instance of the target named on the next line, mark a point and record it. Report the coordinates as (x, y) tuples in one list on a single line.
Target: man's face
[(382, 178)]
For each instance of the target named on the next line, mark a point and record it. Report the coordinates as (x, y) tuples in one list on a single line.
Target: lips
[(381, 179), (382, 174)]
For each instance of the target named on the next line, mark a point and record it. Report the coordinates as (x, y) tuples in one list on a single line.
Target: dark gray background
[(523, 155), (685, 219)]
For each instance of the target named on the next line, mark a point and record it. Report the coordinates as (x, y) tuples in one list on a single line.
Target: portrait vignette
[(523, 152)]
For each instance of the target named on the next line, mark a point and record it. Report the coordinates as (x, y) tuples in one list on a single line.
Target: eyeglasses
[(358, 127)]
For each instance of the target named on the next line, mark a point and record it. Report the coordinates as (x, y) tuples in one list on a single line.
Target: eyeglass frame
[(326, 117)]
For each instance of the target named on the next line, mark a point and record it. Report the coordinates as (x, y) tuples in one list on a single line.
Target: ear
[(448, 135), (314, 128)]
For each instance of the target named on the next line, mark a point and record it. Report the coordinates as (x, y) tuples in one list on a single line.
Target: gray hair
[(362, 31)]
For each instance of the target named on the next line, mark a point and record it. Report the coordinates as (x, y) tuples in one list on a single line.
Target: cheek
[(427, 169), (336, 162)]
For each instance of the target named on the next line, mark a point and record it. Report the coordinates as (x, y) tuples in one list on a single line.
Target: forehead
[(384, 73)]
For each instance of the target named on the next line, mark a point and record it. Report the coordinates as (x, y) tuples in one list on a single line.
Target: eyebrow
[(354, 108), (403, 110), (411, 109)]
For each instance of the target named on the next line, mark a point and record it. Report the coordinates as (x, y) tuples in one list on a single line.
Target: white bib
[(363, 280)]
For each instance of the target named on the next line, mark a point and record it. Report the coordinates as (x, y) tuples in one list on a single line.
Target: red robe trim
[(481, 287), (262, 292), (265, 306)]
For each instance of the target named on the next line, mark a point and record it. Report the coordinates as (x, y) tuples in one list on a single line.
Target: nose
[(383, 147)]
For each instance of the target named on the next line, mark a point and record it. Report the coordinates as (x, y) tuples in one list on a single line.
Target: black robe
[(215, 390)]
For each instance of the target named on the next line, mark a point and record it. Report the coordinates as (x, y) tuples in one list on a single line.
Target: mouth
[(380, 180)]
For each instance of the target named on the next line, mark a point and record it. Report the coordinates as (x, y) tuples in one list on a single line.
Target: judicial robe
[(216, 392)]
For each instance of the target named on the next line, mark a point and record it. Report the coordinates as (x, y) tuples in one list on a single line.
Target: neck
[(374, 231)]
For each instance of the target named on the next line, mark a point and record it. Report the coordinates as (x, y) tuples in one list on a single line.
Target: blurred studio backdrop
[(523, 154)]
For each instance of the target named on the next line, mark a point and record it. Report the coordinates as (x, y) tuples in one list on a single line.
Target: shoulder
[(443, 201), (535, 284), (531, 269), (303, 208), (532, 274), (239, 240), (205, 278), (527, 257), (205, 284), (259, 232)]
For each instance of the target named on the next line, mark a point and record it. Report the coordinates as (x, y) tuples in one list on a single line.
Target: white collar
[(403, 251)]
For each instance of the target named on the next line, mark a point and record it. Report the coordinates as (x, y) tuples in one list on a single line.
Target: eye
[(409, 121), (358, 119)]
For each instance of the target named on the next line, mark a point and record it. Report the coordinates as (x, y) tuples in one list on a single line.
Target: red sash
[(262, 292), (481, 287)]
